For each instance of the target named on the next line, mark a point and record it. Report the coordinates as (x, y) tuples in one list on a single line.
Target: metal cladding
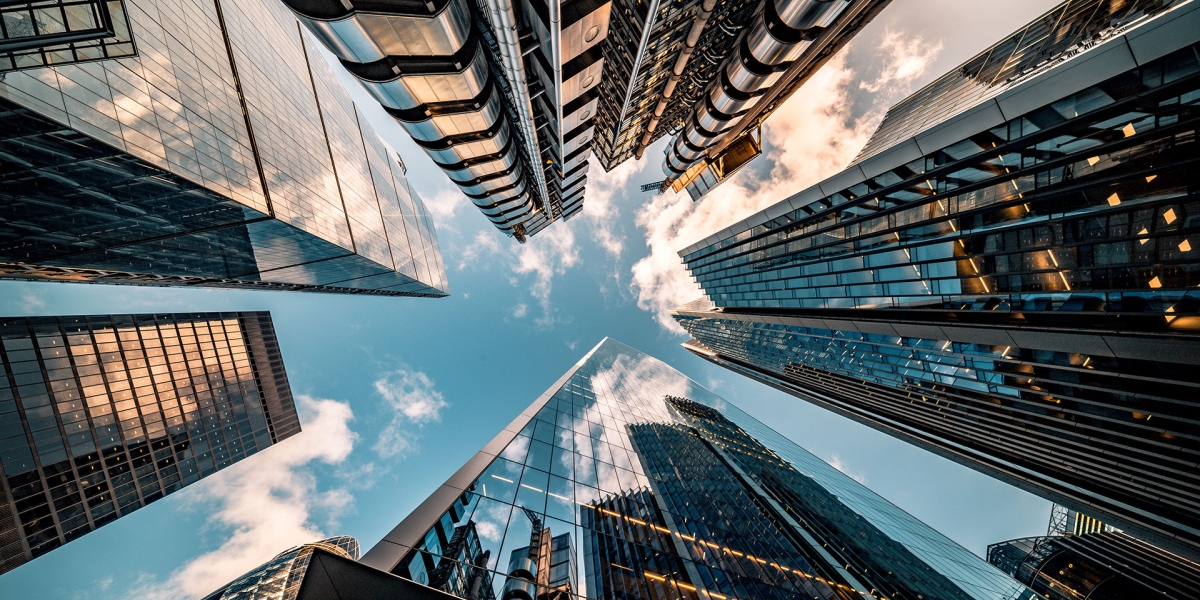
[(782, 33), (497, 93)]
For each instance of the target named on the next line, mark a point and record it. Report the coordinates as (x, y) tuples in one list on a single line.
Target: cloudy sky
[(395, 394)]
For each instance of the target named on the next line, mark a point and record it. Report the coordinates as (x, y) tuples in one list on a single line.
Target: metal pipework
[(504, 21), (689, 46), (780, 35)]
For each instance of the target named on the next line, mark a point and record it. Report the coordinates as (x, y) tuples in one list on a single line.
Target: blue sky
[(396, 393)]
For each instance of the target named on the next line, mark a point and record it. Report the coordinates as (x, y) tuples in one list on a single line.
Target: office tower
[(739, 80), (101, 415), (1007, 274), (509, 97), (494, 91), (221, 151), (628, 480), (320, 571), (1064, 521), (281, 577), (1104, 565)]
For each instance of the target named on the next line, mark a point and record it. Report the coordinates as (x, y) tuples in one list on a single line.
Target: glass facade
[(1096, 566), (101, 415), (281, 577), (225, 154), (1021, 300), (1047, 42), (36, 34), (628, 480)]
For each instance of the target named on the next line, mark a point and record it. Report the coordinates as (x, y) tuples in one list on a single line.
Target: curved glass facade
[(281, 577), (629, 480)]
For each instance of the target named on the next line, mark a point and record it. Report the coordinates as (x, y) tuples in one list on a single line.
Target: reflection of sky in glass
[(659, 504)]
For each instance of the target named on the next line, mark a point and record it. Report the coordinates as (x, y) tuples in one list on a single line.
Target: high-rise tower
[(1079, 557), (1007, 274), (220, 150), (510, 98), (650, 486), (102, 415)]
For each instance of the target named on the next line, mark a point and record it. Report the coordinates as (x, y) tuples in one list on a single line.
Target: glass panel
[(686, 497)]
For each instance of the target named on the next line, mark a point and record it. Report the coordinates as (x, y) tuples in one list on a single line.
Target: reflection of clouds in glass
[(488, 530), (516, 450)]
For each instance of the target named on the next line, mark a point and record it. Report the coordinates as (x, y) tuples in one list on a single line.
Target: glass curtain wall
[(633, 481)]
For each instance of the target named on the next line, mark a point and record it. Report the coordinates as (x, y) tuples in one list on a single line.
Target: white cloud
[(836, 462), (488, 531), (813, 135), (600, 212), (413, 400), (485, 244), (519, 311), (267, 501), (443, 206), (543, 257), (909, 58)]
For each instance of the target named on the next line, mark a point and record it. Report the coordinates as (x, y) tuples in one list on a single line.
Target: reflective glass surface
[(632, 481), (1070, 29), (281, 577), (1023, 299), (102, 415), (1092, 195), (225, 154)]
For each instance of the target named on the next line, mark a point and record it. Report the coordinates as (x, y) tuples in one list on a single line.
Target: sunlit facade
[(221, 151), (1007, 276), (281, 577), (628, 480), (102, 415)]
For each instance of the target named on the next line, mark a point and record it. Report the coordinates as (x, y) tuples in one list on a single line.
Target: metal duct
[(689, 46), (430, 70), (783, 32)]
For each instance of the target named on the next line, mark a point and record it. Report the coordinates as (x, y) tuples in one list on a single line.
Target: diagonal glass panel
[(670, 492)]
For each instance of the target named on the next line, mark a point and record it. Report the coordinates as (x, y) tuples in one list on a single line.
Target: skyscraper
[(219, 151), (1006, 275), (509, 97), (320, 571), (628, 480), (102, 415), (1097, 564), (281, 577)]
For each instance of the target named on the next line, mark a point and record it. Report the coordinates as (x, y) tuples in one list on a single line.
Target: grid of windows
[(225, 154), (102, 415), (1068, 30), (281, 577), (662, 489), (37, 34), (1092, 193), (1022, 300)]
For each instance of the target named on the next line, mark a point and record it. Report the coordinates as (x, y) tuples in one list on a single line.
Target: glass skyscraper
[(101, 415), (281, 577), (220, 151), (628, 480), (1007, 275), (1105, 565)]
